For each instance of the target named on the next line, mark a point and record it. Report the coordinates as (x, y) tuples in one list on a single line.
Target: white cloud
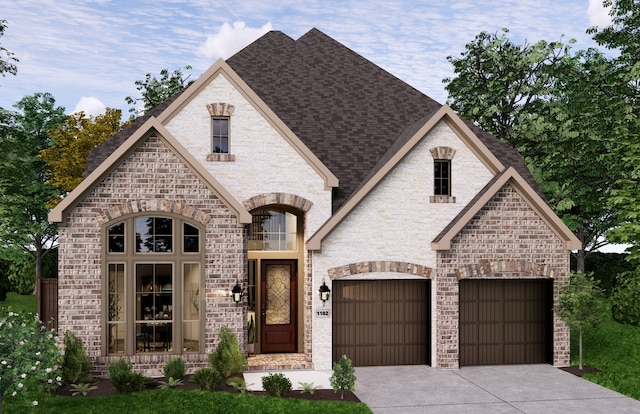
[(598, 15), (90, 105), (231, 39)]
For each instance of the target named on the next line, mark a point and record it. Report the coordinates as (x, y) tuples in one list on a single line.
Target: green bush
[(76, 364), (344, 376), (276, 384), (207, 378), (625, 299), (124, 380), (174, 368), (228, 358)]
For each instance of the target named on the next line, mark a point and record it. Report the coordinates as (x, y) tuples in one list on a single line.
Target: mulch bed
[(575, 370), (105, 388)]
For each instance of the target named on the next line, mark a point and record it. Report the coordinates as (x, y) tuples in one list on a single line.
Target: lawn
[(614, 349), (19, 303)]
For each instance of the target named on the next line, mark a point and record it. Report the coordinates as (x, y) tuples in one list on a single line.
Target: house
[(295, 167)]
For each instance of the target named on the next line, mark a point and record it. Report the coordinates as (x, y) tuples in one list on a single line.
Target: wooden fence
[(48, 302)]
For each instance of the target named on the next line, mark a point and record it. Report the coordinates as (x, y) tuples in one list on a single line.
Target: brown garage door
[(506, 322), (382, 322)]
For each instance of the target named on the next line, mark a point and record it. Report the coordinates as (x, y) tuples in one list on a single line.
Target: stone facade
[(151, 180)]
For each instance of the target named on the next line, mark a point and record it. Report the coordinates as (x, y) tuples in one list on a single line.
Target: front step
[(271, 362)]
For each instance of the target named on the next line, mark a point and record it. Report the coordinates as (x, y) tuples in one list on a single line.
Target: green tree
[(581, 305), (8, 60), (554, 107), (622, 38), (23, 175), (71, 143), (154, 91)]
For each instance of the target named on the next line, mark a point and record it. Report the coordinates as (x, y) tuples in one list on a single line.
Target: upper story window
[(220, 135), (154, 235), (116, 238), (442, 177), (273, 229)]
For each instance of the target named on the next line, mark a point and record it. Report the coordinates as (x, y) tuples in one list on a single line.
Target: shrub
[(207, 378), (227, 358), (76, 364), (343, 377), (170, 383), (82, 389), (276, 384), (124, 380), (238, 384), (625, 300), (308, 387), (174, 368)]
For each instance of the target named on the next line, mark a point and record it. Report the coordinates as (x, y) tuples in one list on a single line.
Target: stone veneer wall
[(151, 179), (505, 239)]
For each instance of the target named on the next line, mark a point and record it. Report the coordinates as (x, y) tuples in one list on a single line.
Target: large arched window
[(273, 229), (154, 270)]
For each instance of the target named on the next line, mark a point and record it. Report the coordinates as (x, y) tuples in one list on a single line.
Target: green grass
[(177, 401), (19, 303), (614, 349)]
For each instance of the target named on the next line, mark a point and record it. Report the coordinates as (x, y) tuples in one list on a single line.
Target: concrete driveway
[(489, 389)]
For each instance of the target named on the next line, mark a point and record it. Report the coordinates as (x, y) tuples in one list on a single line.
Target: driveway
[(488, 389)]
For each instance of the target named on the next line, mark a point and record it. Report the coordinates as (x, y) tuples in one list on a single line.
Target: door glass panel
[(278, 295)]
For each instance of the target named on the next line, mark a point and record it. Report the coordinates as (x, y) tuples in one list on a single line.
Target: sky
[(88, 54)]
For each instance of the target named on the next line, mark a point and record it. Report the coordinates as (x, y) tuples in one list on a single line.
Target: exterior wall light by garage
[(236, 293), (324, 292)]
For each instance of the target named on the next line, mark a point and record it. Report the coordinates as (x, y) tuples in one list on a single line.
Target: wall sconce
[(324, 292), (236, 293)]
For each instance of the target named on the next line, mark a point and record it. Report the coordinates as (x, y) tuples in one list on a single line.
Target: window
[(153, 300), (442, 177), (220, 135), (273, 229)]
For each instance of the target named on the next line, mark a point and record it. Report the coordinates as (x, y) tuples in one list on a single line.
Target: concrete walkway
[(489, 389)]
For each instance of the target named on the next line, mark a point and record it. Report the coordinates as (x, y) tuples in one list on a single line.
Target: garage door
[(506, 322), (382, 322)]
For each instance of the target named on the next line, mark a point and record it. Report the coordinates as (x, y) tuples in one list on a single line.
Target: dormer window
[(220, 135)]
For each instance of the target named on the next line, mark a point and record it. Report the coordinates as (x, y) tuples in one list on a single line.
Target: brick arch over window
[(506, 269), (166, 206), (379, 266), (286, 199), (220, 109), (442, 153)]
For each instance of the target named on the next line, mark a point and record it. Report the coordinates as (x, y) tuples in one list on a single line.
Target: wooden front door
[(278, 299)]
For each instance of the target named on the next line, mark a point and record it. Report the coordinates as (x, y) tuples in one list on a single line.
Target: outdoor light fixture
[(236, 293), (324, 292)]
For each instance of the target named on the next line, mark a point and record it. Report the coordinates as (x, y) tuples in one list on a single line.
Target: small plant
[(238, 384), (124, 380), (174, 368), (76, 364), (170, 383), (82, 389), (308, 387), (207, 378), (343, 377), (227, 358), (276, 385)]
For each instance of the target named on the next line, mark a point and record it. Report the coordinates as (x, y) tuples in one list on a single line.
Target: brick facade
[(152, 179)]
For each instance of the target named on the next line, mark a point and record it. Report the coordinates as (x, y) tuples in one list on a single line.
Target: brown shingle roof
[(348, 111)]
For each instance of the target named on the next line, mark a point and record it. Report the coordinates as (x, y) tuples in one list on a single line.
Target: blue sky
[(88, 54)]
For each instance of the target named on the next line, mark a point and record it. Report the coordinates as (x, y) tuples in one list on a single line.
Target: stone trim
[(139, 206), (287, 199), (500, 269), (442, 153), (218, 156), (220, 109), (442, 199), (379, 266)]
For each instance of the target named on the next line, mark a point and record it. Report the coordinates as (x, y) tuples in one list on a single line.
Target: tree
[(8, 60), (71, 143), (549, 104), (622, 37), (23, 188), (155, 91), (581, 306)]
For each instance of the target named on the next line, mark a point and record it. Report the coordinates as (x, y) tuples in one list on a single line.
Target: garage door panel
[(390, 318), (505, 321)]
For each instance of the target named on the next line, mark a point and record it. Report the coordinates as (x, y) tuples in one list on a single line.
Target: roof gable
[(537, 203), (57, 215)]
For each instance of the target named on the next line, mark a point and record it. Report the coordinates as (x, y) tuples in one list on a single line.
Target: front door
[(278, 299)]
